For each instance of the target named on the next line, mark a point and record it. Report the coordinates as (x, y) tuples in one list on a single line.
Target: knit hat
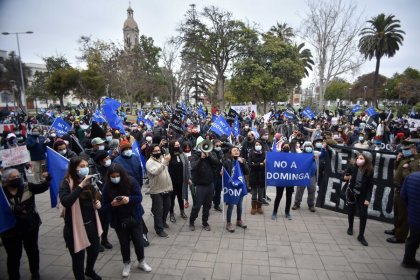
[(124, 145), (58, 142), (100, 155)]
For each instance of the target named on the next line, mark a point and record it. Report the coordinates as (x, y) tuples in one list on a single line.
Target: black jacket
[(202, 169), (367, 183)]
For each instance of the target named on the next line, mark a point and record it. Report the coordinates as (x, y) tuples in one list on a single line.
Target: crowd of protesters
[(106, 179)]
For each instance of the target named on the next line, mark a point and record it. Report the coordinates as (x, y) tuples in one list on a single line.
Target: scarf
[(80, 238)]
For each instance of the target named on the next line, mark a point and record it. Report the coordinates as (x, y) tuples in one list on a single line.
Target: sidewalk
[(311, 246)]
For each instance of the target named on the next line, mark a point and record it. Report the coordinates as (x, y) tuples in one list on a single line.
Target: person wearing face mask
[(108, 137), (218, 152), (179, 169), (228, 163), (256, 162), (146, 143), (407, 162), (52, 136), (308, 148), (36, 145), (360, 178), (130, 162), (279, 193), (160, 188), (21, 197), (248, 145), (103, 162), (82, 226), (122, 198), (98, 144), (61, 147), (321, 152), (316, 132), (361, 143)]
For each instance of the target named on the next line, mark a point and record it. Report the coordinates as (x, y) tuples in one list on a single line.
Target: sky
[(58, 24)]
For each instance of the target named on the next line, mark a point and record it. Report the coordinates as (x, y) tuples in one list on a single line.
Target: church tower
[(131, 31)]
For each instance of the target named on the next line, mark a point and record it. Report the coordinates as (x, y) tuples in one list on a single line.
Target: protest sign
[(14, 156), (176, 124), (244, 108), (381, 203), (220, 127), (288, 169), (60, 126)]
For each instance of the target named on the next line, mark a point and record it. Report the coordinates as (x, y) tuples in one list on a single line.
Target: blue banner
[(308, 113), (57, 168), (356, 108), (288, 169), (234, 187), (60, 126), (236, 129), (7, 218), (371, 111), (288, 115), (220, 127)]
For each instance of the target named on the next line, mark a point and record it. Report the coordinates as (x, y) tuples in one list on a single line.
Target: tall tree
[(337, 89), (331, 27), (382, 37), (283, 31)]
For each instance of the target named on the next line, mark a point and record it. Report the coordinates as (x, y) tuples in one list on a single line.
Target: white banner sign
[(245, 108), (14, 156)]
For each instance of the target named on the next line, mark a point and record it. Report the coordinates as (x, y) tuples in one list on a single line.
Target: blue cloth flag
[(148, 123), (57, 168), (371, 111), (236, 129), (98, 117), (234, 187), (213, 118), (109, 108), (60, 126), (7, 218), (288, 115), (185, 109), (137, 151), (201, 111), (308, 113), (140, 116), (257, 135), (288, 169), (356, 108), (220, 127)]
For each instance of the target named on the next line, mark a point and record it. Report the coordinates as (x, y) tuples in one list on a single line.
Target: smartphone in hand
[(118, 198)]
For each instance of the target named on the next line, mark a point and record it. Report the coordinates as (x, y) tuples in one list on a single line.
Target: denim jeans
[(238, 211)]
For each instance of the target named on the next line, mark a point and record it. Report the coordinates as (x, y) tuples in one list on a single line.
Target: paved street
[(311, 246)]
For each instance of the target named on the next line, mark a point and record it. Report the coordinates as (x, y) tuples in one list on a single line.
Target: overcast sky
[(57, 24)]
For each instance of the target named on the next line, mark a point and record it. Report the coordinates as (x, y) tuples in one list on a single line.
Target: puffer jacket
[(410, 193), (159, 177)]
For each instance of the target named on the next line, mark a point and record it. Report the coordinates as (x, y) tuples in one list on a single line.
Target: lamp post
[(365, 89), (20, 57), (349, 95)]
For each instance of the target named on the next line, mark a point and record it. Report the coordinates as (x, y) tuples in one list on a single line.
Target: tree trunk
[(264, 107), (375, 81), (220, 91), (62, 101)]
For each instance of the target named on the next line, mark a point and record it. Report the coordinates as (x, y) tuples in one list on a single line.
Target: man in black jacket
[(202, 165)]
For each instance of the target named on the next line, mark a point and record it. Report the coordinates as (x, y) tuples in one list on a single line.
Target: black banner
[(381, 203), (176, 124)]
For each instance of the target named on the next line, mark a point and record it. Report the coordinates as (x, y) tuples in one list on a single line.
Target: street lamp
[(365, 89), (349, 95), (20, 57)]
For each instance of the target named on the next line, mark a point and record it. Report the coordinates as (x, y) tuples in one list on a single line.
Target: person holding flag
[(256, 161), (20, 197), (229, 163)]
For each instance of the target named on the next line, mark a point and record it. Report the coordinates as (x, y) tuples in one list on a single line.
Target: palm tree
[(382, 37), (306, 57), (282, 31)]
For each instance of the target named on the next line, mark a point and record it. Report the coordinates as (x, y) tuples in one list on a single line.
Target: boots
[(259, 208), (254, 207)]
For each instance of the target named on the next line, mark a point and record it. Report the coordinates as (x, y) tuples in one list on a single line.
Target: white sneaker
[(144, 266), (126, 270)]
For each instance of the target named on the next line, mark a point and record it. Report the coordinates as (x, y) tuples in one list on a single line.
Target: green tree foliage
[(404, 87), (382, 37), (268, 72), (367, 80), (337, 89)]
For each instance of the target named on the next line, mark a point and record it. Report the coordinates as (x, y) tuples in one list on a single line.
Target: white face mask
[(62, 152), (258, 148), (128, 153), (116, 180), (149, 139), (101, 148), (218, 149), (108, 138), (107, 163), (53, 134)]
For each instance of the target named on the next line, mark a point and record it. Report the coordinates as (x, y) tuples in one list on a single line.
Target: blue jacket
[(410, 193), (37, 150), (135, 197), (132, 165)]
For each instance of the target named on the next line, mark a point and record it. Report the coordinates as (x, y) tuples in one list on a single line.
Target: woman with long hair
[(228, 163), (122, 195), (359, 174), (179, 169), (256, 162), (82, 226)]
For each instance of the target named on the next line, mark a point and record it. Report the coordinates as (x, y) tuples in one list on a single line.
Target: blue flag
[(220, 127), (137, 151), (356, 108), (213, 118), (274, 148), (201, 111), (288, 169), (109, 108), (288, 115), (148, 123), (184, 108), (308, 113), (257, 135), (98, 117), (236, 127), (371, 111), (7, 218), (57, 168), (60, 126), (140, 116), (234, 187)]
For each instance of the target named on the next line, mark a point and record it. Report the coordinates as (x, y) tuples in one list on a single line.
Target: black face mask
[(286, 150), (177, 149), (15, 183), (156, 156), (249, 138), (235, 157)]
